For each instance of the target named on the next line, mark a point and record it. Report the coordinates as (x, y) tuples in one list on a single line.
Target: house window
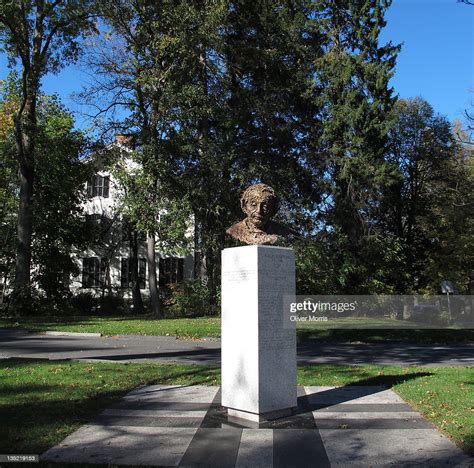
[(171, 270), (99, 227), (93, 272), (98, 186), (126, 273), (93, 222)]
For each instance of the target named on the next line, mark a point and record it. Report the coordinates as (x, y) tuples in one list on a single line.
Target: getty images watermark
[(381, 311), (305, 310)]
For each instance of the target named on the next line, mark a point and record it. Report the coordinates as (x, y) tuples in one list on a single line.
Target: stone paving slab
[(333, 426), (123, 445), (373, 447), (256, 448)]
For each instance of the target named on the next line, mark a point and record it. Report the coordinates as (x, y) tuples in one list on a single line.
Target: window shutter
[(103, 268), (95, 272), (95, 188), (90, 187), (142, 273), (85, 272), (180, 276), (161, 272), (106, 183), (174, 269), (124, 273)]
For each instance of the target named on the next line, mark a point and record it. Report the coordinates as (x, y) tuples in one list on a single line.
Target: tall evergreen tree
[(352, 88), (257, 122)]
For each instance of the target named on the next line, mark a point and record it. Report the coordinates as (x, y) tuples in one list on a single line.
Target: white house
[(105, 264)]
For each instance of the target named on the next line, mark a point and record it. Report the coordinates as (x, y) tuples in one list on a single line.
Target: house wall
[(108, 206)]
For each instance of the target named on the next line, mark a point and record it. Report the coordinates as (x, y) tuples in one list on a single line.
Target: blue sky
[(437, 56), (436, 61)]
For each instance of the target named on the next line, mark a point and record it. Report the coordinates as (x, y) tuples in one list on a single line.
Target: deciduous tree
[(430, 206), (60, 177), (40, 37)]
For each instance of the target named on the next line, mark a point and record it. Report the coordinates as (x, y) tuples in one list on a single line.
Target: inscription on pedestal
[(237, 276)]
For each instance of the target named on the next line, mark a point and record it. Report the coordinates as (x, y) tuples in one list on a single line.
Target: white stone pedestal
[(258, 349)]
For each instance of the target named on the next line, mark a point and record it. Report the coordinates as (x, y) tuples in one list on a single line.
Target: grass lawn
[(42, 402), (141, 325), (45, 401), (336, 330)]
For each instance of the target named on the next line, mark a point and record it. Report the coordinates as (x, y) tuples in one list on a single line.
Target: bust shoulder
[(237, 228)]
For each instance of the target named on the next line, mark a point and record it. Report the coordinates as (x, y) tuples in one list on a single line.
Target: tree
[(57, 219), (151, 76), (8, 185), (42, 35), (262, 124), (453, 256), (351, 88), (58, 226), (429, 206), (166, 222), (292, 94)]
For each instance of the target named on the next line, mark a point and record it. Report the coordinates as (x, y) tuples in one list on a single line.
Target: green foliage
[(57, 28), (84, 303), (144, 206), (221, 94), (111, 304), (40, 36), (429, 207), (353, 93), (8, 187), (60, 177), (189, 299), (326, 265)]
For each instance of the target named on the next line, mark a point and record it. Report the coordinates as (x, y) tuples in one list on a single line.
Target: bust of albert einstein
[(260, 203)]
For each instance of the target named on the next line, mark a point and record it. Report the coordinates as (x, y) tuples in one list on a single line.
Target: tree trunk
[(24, 233), (25, 139), (136, 293), (156, 306)]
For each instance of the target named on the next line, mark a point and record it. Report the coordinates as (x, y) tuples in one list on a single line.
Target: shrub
[(85, 303), (111, 304), (188, 299)]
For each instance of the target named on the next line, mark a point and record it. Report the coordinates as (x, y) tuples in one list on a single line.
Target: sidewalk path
[(130, 348), (333, 426)]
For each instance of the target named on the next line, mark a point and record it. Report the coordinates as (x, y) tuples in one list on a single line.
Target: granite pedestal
[(258, 345)]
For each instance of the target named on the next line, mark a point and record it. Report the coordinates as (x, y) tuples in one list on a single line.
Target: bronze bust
[(260, 203)]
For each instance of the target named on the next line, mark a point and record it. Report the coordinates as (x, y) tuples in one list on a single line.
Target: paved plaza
[(333, 426)]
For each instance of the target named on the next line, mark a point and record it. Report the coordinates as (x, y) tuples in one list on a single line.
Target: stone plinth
[(258, 349)]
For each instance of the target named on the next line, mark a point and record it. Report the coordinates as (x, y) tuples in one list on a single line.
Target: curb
[(60, 333)]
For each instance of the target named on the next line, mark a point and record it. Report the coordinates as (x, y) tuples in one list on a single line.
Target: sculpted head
[(260, 203)]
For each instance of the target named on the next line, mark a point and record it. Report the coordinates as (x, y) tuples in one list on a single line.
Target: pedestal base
[(270, 416)]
